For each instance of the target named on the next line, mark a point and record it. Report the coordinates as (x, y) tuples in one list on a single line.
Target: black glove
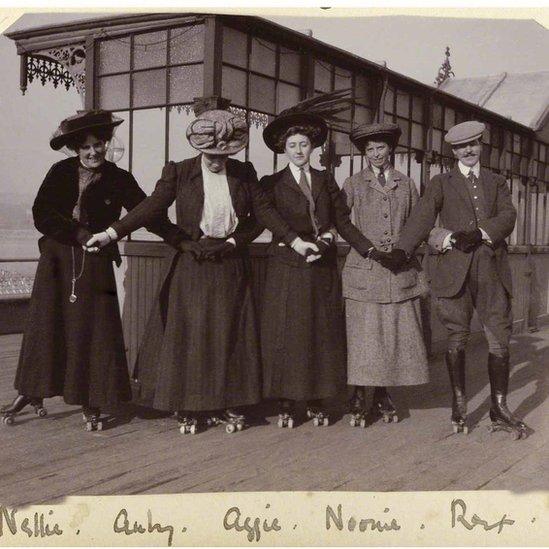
[(323, 245), (192, 247), (394, 260), (223, 249), (466, 241)]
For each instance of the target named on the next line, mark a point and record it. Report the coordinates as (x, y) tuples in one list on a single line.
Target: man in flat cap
[(471, 271)]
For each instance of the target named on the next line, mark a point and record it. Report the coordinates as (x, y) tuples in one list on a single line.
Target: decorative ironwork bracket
[(65, 66), (445, 71)]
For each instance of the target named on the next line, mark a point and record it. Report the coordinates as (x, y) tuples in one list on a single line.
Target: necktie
[(304, 186), (472, 177), (381, 178)]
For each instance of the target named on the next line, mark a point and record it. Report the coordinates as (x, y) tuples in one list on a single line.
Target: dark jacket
[(448, 196), (282, 207), (102, 203), (182, 182)]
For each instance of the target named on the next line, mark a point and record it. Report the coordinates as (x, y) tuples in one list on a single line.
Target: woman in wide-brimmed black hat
[(73, 343), (200, 355), (302, 324)]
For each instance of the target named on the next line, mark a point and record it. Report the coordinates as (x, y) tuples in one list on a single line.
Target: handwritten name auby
[(123, 525)]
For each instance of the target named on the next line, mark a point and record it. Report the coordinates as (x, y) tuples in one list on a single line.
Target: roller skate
[(358, 408), (317, 414), (286, 414), (232, 420), (500, 415), (383, 407), (455, 362), (188, 423), (92, 419), (11, 410)]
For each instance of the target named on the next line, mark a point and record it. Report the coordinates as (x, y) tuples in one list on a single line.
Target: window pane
[(494, 158), (362, 115), (415, 171), (542, 152), (323, 76), (114, 55), (149, 88), (233, 86), (259, 154), (263, 56), (185, 83), (486, 134), (485, 155), (343, 171), (262, 94), (147, 154), (290, 65), (342, 79), (122, 134), (235, 47), (403, 104), (437, 141), (417, 108), (150, 50), (389, 100), (401, 162), (187, 44), (516, 143), (287, 96), (113, 92), (362, 90), (449, 118), (417, 136), (437, 115), (404, 138)]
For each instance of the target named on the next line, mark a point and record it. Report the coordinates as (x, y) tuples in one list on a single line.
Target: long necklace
[(72, 297)]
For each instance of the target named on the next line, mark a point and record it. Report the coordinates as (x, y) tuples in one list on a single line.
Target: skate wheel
[(8, 420), (326, 422), (239, 426), (290, 423), (99, 426), (183, 429), (192, 429), (395, 419), (363, 423), (517, 435), (315, 421), (230, 428), (309, 414), (455, 428), (89, 426), (465, 430), (41, 412), (280, 423), (386, 419), (353, 422)]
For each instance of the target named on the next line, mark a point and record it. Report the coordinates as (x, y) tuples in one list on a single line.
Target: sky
[(410, 45)]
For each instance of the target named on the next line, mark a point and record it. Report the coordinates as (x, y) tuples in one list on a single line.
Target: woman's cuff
[(112, 233)]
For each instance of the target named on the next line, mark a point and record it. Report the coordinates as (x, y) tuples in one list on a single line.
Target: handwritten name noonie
[(337, 519), (123, 525), (459, 509), (37, 525), (253, 526)]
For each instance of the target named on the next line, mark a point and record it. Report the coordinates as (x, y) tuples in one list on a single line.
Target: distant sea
[(19, 244)]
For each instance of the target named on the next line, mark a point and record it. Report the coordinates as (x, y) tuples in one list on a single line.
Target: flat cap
[(361, 134), (464, 132)]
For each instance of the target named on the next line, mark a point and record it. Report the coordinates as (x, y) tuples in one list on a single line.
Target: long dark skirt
[(73, 349), (302, 330), (200, 348)]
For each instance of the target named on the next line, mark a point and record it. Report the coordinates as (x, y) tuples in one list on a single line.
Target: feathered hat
[(316, 112)]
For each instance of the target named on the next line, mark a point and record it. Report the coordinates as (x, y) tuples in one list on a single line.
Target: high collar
[(466, 169), (207, 171), (376, 171), (296, 171)]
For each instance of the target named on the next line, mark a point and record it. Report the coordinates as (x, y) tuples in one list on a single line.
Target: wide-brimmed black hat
[(81, 122), (314, 112), (370, 132)]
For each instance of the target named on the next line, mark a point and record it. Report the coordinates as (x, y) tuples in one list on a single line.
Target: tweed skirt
[(385, 344)]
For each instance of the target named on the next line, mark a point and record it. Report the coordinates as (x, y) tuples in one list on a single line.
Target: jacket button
[(107, 201), (384, 198), (385, 216), (385, 232)]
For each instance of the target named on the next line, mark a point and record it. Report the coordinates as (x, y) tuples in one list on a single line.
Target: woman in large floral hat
[(382, 304), (302, 324), (73, 344), (200, 355)]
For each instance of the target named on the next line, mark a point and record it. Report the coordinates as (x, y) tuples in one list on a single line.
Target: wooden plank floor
[(43, 460)]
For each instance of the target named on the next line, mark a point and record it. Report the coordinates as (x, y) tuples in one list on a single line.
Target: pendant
[(72, 298)]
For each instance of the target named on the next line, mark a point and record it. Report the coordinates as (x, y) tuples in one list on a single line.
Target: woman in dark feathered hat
[(73, 343), (302, 324), (199, 355)]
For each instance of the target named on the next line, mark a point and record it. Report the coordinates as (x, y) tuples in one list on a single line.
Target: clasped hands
[(466, 241), (394, 260), (312, 251)]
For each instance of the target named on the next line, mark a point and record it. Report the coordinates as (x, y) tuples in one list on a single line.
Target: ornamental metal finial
[(445, 72)]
